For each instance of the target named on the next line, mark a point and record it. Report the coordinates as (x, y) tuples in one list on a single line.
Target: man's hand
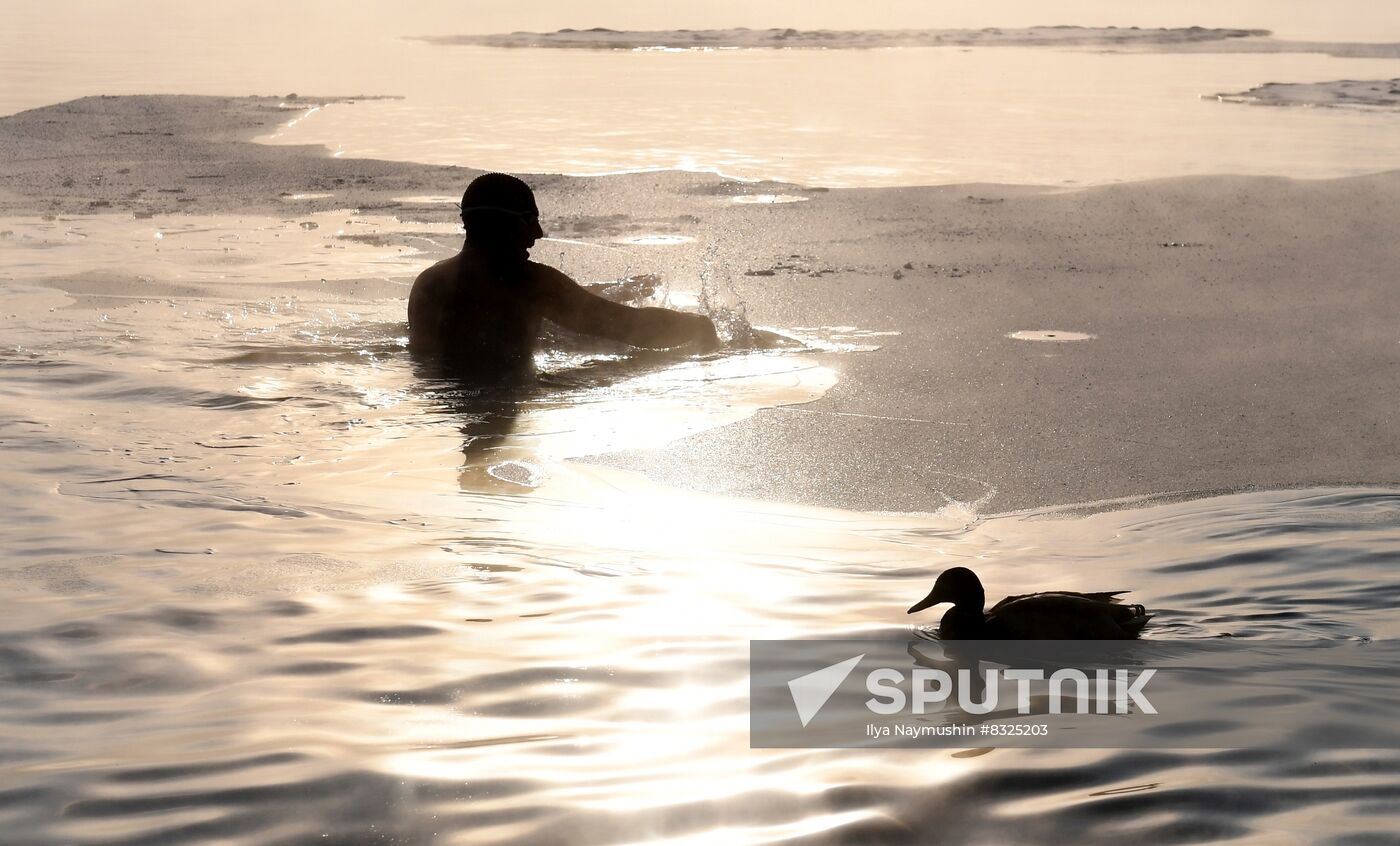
[(706, 338)]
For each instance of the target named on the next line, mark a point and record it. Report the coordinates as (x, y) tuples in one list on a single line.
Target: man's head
[(500, 215)]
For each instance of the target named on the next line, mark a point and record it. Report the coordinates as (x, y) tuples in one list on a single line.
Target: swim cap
[(499, 192)]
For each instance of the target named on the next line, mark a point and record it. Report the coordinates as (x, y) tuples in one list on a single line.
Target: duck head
[(959, 586)]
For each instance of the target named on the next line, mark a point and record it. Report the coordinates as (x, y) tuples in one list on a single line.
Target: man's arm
[(578, 310)]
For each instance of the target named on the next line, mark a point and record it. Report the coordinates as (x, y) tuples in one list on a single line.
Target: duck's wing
[(1106, 596), (1065, 616)]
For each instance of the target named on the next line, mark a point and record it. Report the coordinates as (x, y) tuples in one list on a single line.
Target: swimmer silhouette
[(479, 313)]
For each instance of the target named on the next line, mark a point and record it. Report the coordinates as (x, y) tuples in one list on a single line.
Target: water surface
[(267, 583)]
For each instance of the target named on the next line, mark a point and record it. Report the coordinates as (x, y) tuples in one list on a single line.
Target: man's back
[(475, 319), (479, 312)]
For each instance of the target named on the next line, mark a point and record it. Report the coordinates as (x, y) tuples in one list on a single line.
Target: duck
[(1053, 615)]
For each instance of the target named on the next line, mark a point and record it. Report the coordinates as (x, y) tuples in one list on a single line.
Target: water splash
[(727, 310)]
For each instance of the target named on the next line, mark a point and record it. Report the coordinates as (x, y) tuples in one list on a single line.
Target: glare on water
[(266, 581)]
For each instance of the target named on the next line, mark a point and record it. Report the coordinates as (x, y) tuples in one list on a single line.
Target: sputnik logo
[(810, 692)]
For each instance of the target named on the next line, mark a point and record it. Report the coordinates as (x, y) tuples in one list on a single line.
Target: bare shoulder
[(550, 288), (549, 277), (425, 303), (430, 286), (434, 277)]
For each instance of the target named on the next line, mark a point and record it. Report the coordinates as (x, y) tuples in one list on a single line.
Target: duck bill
[(927, 602)]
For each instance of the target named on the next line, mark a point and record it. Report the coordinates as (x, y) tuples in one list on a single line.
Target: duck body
[(1053, 615)]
